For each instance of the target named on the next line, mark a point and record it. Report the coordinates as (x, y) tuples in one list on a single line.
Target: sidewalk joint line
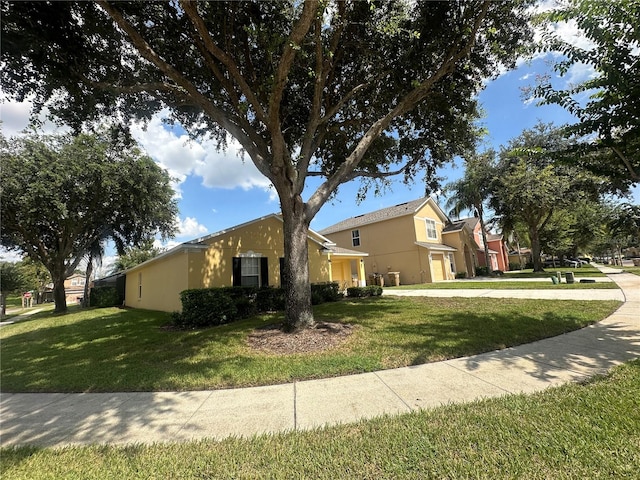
[(393, 391)]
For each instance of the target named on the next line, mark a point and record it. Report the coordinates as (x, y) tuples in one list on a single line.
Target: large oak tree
[(333, 89), (60, 196)]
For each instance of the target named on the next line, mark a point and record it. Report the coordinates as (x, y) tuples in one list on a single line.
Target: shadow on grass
[(109, 352)]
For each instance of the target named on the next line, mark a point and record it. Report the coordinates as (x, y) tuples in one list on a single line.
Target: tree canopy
[(60, 195), (331, 89), (530, 186), (607, 104)]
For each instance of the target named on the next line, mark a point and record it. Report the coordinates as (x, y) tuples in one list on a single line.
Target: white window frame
[(139, 285), (431, 223), (355, 237), (250, 269), (452, 263)]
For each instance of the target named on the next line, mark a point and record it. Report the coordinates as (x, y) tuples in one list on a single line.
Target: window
[(77, 281), (355, 238), (140, 285), (452, 263), (432, 233), (250, 272)]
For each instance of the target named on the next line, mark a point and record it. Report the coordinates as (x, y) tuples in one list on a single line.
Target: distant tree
[(609, 119), (59, 195), (133, 256), (624, 227), (12, 280), (331, 89), (473, 190), (530, 187)]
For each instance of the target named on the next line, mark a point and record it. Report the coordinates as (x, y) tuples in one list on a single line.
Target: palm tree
[(472, 191)]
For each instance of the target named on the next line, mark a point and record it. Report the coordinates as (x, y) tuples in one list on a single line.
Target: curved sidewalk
[(147, 417)]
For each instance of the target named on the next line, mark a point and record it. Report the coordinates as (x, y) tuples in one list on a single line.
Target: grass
[(634, 270), (504, 285), (128, 350), (584, 271), (589, 430)]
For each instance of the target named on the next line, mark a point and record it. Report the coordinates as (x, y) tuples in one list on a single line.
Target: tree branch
[(407, 103), (191, 10), (224, 119), (626, 162)]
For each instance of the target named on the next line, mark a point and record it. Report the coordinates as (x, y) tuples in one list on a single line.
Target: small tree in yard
[(333, 89), (60, 196), (530, 186)]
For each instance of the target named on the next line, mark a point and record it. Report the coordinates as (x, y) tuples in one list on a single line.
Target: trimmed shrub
[(369, 291), (270, 299), (482, 271), (461, 274), (104, 297), (326, 292), (205, 307)]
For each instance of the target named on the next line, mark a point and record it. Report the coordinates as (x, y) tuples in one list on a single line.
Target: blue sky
[(217, 190)]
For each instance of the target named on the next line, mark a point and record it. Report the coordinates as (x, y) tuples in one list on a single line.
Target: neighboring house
[(249, 254), (73, 289), (409, 239), (521, 257), (498, 252)]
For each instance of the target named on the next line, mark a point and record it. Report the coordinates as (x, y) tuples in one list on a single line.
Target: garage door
[(437, 267)]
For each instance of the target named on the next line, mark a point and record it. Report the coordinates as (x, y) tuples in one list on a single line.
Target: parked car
[(572, 262)]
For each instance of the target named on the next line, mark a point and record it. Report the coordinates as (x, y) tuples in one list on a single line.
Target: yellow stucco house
[(409, 238), (247, 254)]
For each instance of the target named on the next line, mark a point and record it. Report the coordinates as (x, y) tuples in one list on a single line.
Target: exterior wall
[(464, 259), (391, 248), (161, 281), (74, 289), (164, 278), (502, 258), (262, 239), (391, 245)]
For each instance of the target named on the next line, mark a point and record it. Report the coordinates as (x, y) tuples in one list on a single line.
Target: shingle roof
[(399, 210)]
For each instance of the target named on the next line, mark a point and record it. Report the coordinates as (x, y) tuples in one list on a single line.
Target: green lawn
[(634, 270), (504, 285), (128, 350), (575, 431), (584, 271)]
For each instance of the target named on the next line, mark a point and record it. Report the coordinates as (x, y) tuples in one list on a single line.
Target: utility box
[(569, 277), (394, 279)]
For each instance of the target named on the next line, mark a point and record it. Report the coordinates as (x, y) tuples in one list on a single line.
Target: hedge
[(104, 297), (208, 307), (368, 291)]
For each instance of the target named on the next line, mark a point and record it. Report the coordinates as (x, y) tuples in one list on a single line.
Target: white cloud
[(15, 118), (189, 227), (182, 156), (578, 73), (11, 256)]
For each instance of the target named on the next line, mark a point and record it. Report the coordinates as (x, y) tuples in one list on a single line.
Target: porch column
[(362, 279)]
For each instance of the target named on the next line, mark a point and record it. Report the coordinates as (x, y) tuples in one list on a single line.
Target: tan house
[(74, 288), (498, 252), (408, 238), (249, 254)]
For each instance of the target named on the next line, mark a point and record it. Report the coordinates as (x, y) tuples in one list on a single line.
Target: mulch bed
[(322, 336)]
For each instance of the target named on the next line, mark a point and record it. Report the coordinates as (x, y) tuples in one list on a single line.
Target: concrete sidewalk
[(121, 418)]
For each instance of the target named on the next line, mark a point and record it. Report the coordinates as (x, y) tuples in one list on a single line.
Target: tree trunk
[(87, 278), (298, 309), (487, 257), (535, 250), (59, 296)]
